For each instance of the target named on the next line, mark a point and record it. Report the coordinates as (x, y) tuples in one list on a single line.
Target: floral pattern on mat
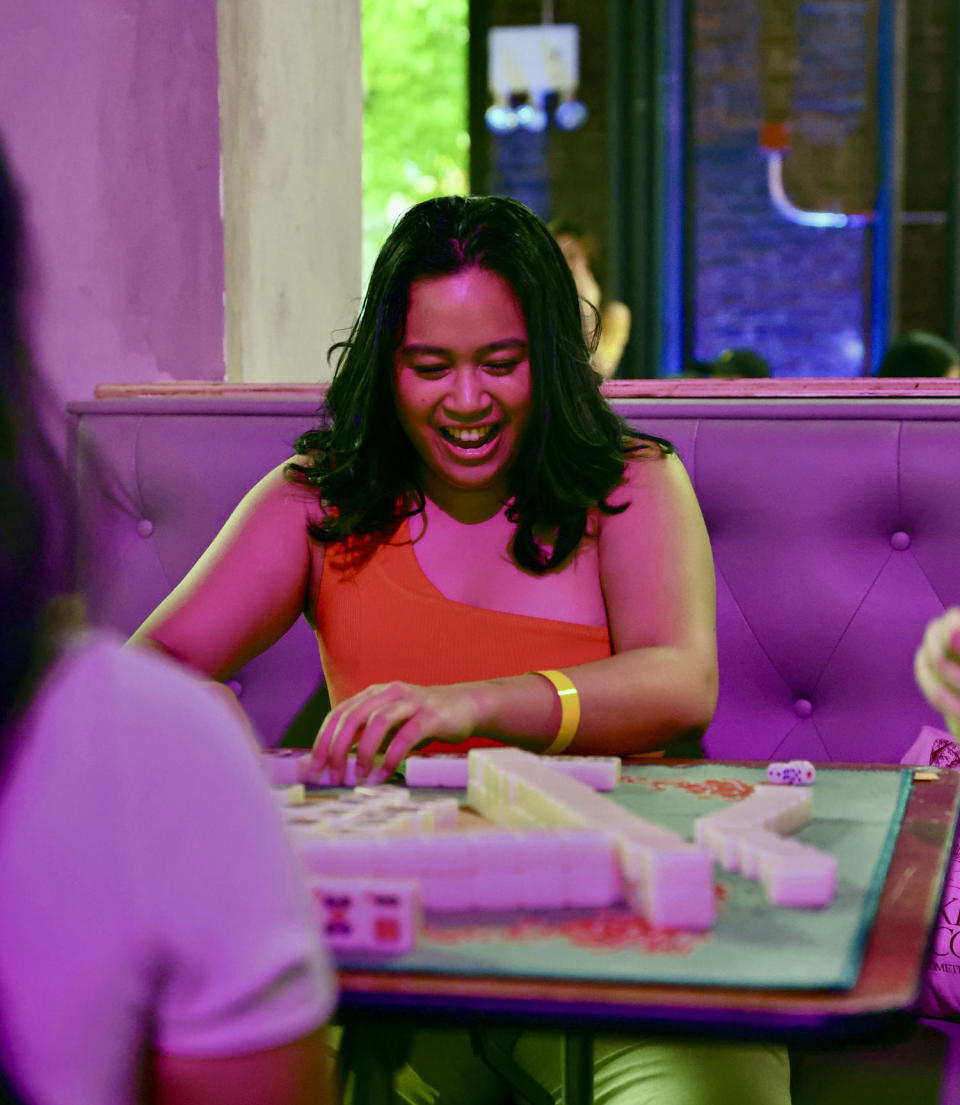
[(732, 789), (613, 929)]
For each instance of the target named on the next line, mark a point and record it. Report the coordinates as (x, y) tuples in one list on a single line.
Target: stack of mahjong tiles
[(598, 772), (376, 856), (747, 836), (668, 881), (665, 878)]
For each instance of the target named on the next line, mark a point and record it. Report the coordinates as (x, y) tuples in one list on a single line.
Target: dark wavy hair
[(31, 568), (36, 522), (918, 353), (574, 449)]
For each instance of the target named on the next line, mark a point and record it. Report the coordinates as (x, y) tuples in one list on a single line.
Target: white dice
[(794, 773)]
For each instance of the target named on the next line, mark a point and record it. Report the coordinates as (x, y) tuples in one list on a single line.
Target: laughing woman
[(471, 530)]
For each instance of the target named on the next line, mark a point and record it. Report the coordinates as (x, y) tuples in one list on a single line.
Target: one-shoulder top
[(380, 619)]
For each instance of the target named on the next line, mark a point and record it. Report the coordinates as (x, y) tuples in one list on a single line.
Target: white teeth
[(468, 436)]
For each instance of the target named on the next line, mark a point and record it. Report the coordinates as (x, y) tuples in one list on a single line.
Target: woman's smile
[(471, 439)]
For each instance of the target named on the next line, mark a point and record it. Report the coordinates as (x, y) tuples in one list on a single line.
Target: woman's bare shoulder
[(286, 488), (649, 471)]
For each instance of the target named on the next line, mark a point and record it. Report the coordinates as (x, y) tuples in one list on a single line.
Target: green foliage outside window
[(415, 139)]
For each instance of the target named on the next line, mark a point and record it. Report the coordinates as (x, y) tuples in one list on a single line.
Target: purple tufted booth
[(835, 526)]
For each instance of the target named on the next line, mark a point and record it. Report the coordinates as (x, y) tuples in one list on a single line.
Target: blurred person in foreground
[(156, 938)]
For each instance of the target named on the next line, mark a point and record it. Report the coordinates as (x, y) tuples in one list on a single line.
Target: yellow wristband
[(570, 711)]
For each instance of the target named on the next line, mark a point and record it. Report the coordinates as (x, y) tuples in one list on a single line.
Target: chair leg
[(367, 1062), (577, 1085), (495, 1047)]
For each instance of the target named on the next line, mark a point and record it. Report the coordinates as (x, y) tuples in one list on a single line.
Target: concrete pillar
[(291, 125)]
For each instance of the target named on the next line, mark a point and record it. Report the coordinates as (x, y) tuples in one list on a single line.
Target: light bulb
[(532, 118), (571, 114), (501, 119)]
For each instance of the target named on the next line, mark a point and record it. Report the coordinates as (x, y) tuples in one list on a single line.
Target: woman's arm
[(656, 571), (249, 586), (657, 574), (295, 1074)]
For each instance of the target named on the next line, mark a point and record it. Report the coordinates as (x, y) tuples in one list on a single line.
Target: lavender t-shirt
[(148, 895)]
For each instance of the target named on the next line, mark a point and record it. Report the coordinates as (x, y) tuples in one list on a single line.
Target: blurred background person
[(606, 322), (156, 937), (740, 364), (919, 353), (696, 370)]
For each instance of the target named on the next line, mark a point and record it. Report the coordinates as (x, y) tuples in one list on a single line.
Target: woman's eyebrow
[(414, 349), (506, 343)]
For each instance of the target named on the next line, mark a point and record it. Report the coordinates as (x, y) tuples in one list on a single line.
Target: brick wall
[(798, 295), (792, 293)]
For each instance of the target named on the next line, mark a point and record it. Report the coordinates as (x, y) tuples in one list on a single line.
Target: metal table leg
[(576, 1087), (495, 1047), (369, 1058)]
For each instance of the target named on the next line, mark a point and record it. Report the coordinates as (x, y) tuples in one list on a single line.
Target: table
[(879, 1002)]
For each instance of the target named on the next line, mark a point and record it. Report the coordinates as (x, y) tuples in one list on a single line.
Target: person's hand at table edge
[(395, 718), (937, 667)]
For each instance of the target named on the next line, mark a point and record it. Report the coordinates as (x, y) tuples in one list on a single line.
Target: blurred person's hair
[(918, 353), (738, 364), (36, 516)]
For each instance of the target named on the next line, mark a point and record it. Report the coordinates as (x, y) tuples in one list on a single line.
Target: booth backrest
[(835, 526)]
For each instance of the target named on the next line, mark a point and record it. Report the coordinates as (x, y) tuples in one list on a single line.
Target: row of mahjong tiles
[(377, 856)]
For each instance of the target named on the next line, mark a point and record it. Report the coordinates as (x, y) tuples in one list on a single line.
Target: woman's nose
[(467, 393)]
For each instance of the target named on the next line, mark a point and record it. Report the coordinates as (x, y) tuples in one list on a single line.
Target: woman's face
[(463, 387)]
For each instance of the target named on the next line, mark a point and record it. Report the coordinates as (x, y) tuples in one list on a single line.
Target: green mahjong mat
[(857, 816)]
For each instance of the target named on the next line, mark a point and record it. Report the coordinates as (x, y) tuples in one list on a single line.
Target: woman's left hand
[(393, 718)]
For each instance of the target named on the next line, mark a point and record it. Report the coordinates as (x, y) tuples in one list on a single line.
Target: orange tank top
[(384, 620)]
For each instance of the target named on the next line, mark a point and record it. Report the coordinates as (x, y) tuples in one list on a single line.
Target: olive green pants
[(444, 1068)]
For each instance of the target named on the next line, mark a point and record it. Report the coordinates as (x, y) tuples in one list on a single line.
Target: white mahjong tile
[(284, 766), (343, 913), (395, 914)]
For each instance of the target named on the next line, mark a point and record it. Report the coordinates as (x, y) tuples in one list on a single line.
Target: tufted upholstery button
[(235, 686), (803, 707), (144, 527), (900, 540)]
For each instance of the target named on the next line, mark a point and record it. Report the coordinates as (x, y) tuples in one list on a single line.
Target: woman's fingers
[(402, 742), (339, 732), (391, 718), (366, 721), (333, 725), (938, 677), (382, 724), (941, 646)]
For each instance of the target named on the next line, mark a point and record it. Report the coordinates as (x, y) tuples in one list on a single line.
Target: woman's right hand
[(394, 718), (937, 667)]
